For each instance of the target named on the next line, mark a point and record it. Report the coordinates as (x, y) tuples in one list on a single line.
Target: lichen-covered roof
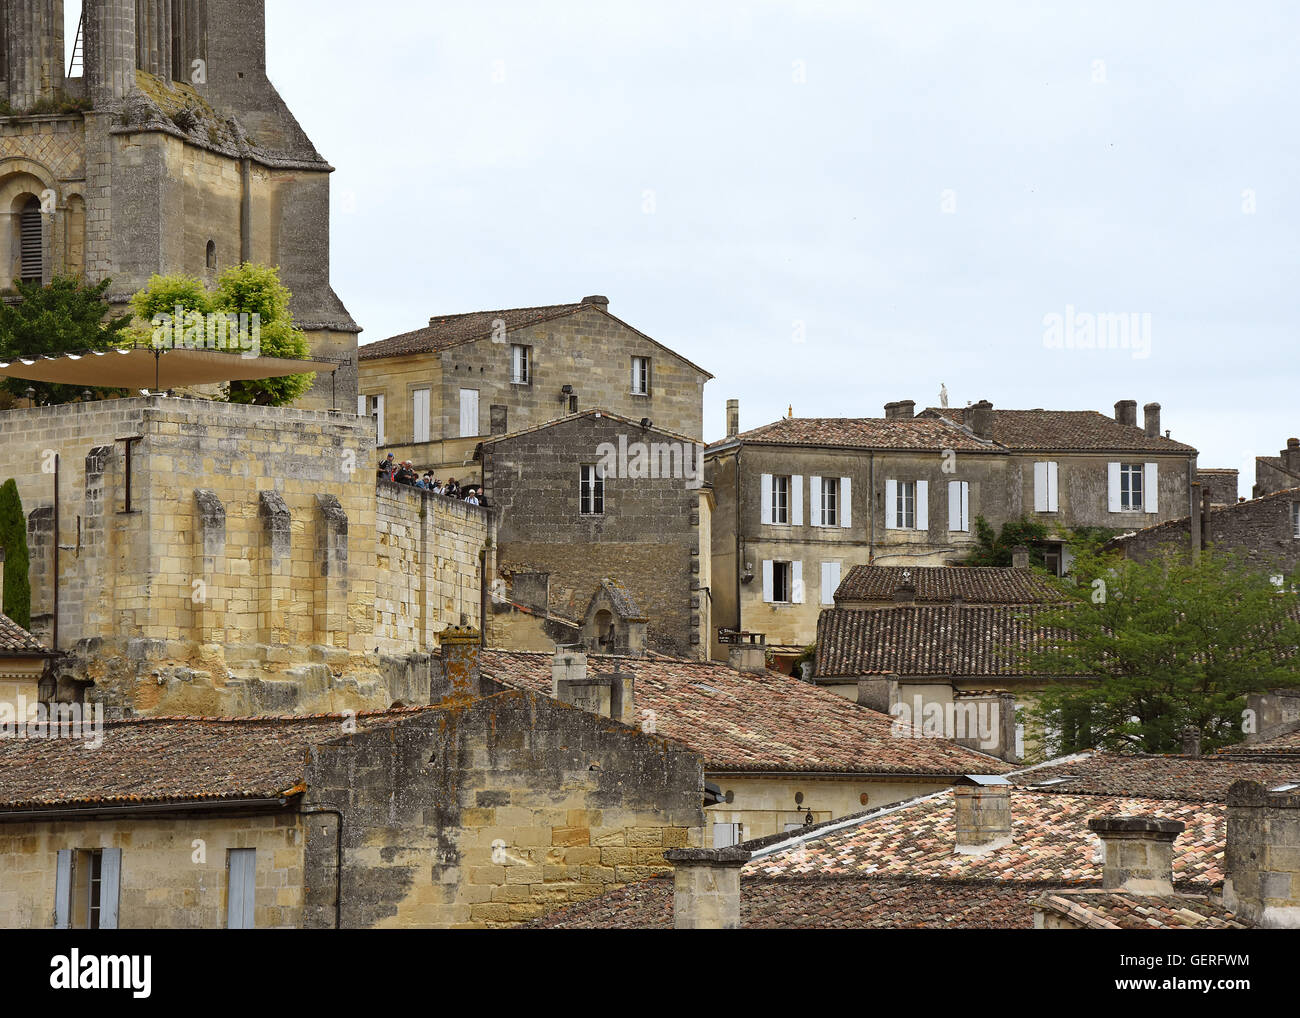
[(940, 584), (15, 641)]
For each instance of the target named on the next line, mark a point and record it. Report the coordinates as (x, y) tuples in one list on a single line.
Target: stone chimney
[(1262, 861), (599, 301), (905, 593), (1152, 415), (1192, 743), (460, 660), (748, 657), (706, 887), (609, 695), (900, 410), (1126, 412), (733, 418), (983, 814), (1138, 853), (1020, 557), (568, 665), (980, 419), (1291, 455)]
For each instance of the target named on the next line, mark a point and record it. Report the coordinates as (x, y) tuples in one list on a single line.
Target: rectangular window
[(87, 889), (591, 491), (420, 415), (521, 364), (830, 502), (1295, 520), (468, 413), (1130, 487), (241, 866), (726, 835), (1045, 487), (781, 582), (781, 500), (959, 506), (641, 376), (905, 506), (373, 407), (830, 581)]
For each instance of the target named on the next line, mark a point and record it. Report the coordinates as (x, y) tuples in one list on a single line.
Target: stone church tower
[(171, 152)]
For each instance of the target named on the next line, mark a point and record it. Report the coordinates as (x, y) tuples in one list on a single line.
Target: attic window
[(1054, 781), (212, 255), (707, 689)]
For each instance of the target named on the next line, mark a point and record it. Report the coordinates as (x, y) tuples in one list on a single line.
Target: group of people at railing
[(404, 473)]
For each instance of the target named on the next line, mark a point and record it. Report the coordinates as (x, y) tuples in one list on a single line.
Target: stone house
[(1280, 472), (954, 667), (801, 501), (24, 664), (482, 812), (436, 392), (597, 496), (193, 557), (174, 153), (1091, 841), (777, 753), (1264, 531)]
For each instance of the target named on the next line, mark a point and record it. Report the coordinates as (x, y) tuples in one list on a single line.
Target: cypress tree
[(17, 594)]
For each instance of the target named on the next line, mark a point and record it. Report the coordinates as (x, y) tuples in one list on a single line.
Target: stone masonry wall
[(494, 812), (1259, 530)]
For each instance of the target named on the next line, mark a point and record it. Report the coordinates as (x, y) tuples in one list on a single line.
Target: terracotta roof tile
[(867, 433), (1112, 910), (453, 330), (1188, 779), (767, 722), (975, 640), (940, 584), (15, 641), (1063, 430)]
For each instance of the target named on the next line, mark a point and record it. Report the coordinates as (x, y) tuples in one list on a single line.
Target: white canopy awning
[(146, 368)]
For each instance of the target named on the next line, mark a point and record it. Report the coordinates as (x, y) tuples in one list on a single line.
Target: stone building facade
[(213, 558), (573, 501), (172, 153), (436, 392), (802, 501), (1280, 472)]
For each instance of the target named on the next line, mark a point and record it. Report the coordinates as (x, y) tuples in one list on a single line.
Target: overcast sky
[(832, 205)]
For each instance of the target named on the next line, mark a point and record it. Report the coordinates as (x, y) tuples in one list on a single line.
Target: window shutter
[(110, 887), (922, 505), (1040, 488), (846, 501), (1112, 483), (765, 498), (815, 501), (965, 506), (1151, 487), (1053, 503), (379, 411), (767, 580), (63, 891), (954, 506), (361, 406), (796, 582), (796, 500), (891, 505), (830, 581), (241, 897), (420, 415)]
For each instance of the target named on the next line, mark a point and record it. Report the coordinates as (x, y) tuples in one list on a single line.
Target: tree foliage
[(994, 548), (16, 598), (1171, 644), (66, 316)]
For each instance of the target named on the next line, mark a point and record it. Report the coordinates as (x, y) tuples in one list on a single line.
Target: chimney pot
[(1291, 455), (706, 887), (1138, 853), (1020, 557), (1126, 412), (733, 418), (750, 658), (1152, 415), (597, 299), (900, 410), (980, 419), (459, 649), (1192, 743)]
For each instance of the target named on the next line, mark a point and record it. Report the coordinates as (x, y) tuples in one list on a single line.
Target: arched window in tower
[(212, 255), (31, 242)]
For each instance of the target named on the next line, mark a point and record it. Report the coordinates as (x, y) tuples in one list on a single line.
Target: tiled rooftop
[(1205, 779), (1064, 431), (15, 641), (1111, 910), (452, 330), (766, 722), (940, 584), (867, 433), (970, 640)]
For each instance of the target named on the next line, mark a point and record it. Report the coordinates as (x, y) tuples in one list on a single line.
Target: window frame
[(830, 502), (591, 490), (781, 511), (1295, 520), (781, 567), (640, 377), (1134, 496), (521, 355), (905, 505)]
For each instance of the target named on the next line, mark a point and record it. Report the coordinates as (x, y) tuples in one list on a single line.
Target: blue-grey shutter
[(110, 887), (63, 891), (243, 885)]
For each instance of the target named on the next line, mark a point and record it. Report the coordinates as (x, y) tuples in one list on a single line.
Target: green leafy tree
[(17, 595), (246, 289), (994, 548), (1169, 645), (256, 289), (66, 316)]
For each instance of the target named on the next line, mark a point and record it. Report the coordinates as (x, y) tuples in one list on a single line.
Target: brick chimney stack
[(1139, 853)]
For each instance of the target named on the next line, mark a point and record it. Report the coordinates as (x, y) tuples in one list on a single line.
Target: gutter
[(145, 809)]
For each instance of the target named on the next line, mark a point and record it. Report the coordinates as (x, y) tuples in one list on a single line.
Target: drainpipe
[(740, 565), (482, 598), (246, 210), (54, 636), (871, 502)]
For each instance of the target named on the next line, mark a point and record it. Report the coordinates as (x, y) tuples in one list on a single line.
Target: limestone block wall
[(167, 882), (428, 572), (492, 813)]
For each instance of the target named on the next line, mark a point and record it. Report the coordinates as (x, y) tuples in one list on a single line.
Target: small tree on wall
[(17, 594)]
